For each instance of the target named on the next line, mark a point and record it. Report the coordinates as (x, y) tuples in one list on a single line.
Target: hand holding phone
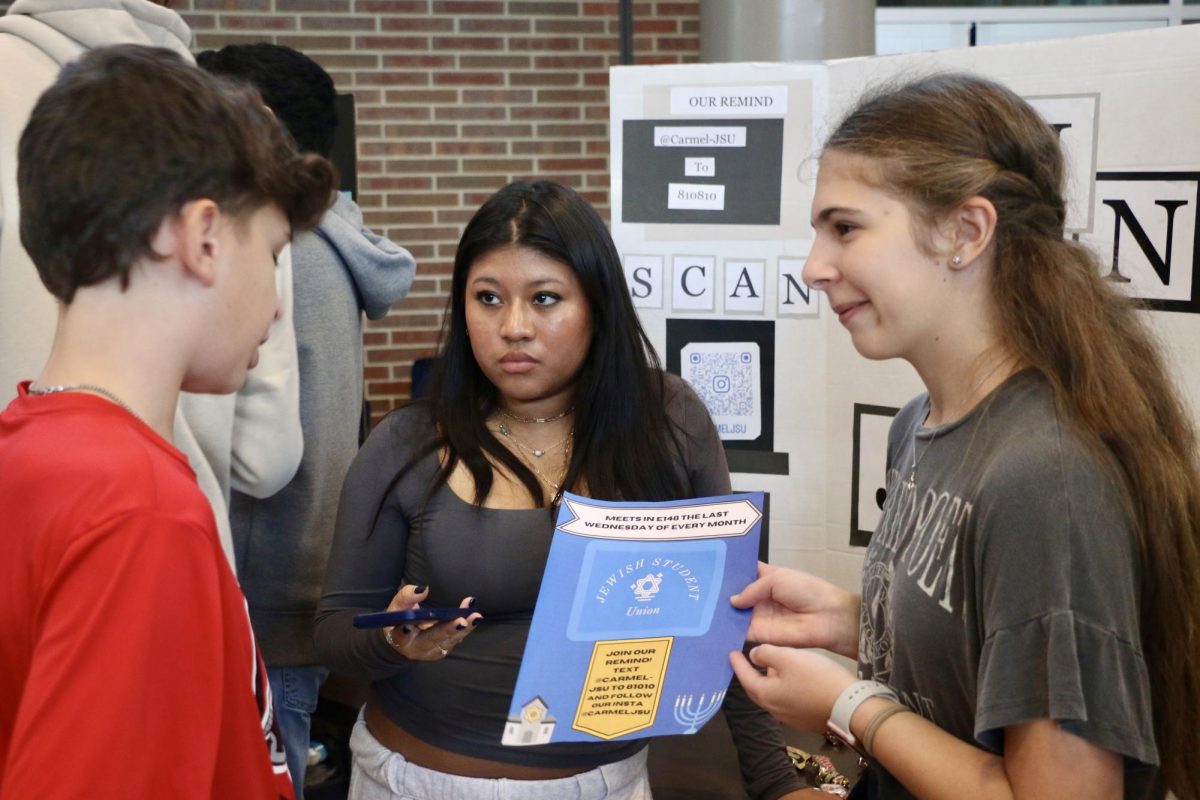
[(422, 634), (384, 619)]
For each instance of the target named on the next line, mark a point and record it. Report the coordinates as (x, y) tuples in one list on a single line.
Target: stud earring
[(956, 261)]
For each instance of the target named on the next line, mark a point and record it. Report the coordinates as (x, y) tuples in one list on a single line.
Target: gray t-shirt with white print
[(1003, 585)]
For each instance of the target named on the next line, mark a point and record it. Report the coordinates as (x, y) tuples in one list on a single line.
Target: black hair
[(624, 444), (296, 88)]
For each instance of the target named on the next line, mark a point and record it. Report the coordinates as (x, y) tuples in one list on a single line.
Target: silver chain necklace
[(85, 387), (507, 433), (910, 483)]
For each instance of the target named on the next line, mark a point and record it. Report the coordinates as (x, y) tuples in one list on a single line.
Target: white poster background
[(1139, 87), (1076, 118), (745, 286), (1159, 207), (740, 101), (872, 467), (693, 283), (644, 276)]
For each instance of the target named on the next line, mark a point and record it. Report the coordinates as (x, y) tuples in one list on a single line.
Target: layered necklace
[(507, 433), (85, 387), (532, 456)]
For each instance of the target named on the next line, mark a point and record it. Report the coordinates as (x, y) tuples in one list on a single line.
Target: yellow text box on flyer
[(623, 686)]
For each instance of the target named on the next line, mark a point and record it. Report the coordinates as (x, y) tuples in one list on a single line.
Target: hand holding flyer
[(632, 629)]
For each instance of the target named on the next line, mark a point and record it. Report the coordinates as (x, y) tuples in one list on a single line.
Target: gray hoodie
[(340, 271), (37, 37), (251, 440)]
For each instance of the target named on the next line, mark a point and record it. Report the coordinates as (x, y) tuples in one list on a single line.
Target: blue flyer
[(633, 628)]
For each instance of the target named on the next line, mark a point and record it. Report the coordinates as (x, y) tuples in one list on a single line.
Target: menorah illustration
[(697, 715)]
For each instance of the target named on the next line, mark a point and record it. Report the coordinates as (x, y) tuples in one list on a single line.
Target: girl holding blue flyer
[(546, 383), (1029, 623)]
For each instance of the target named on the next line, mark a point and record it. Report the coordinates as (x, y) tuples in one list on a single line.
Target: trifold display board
[(713, 170)]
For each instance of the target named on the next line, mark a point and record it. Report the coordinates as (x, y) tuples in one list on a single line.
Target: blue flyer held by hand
[(633, 628)]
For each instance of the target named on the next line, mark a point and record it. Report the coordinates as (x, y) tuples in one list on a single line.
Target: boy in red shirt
[(154, 202)]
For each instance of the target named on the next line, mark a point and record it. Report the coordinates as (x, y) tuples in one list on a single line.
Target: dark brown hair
[(935, 143), (124, 138)]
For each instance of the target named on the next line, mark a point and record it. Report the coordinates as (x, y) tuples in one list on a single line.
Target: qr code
[(724, 381)]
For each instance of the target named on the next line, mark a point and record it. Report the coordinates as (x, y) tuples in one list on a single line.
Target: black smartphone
[(382, 619)]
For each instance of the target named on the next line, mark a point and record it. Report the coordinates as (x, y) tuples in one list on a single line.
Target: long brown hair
[(940, 140)]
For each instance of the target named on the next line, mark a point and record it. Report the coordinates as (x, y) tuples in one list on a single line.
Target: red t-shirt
[(127, 664)]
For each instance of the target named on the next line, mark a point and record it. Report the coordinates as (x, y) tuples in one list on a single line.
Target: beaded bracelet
[(818, 770), (868, 737)]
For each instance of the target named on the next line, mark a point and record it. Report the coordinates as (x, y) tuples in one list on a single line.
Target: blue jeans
[(294, 692)]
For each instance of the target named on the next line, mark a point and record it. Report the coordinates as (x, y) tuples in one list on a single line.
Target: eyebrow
[(826, 213), (540, 282)]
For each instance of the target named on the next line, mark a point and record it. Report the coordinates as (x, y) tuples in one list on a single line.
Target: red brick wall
[(454, 99)]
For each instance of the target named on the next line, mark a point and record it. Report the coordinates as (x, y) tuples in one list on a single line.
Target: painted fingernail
[(406, 629), (476, 621), (458, 626), (472, 601), (421, 588)]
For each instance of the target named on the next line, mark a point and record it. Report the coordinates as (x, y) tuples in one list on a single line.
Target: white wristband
[(848, 702)]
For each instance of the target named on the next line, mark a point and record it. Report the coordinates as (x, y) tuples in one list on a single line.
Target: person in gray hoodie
[(340, 271), (249, 441)]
